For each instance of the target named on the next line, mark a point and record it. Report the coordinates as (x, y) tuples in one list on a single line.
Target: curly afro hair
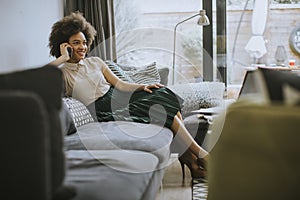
[(68, 26)]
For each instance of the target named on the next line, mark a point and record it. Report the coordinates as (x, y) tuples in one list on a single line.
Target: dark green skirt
[(158, 107)]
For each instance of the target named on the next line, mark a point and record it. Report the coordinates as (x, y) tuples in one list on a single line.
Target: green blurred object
[(257, 154)]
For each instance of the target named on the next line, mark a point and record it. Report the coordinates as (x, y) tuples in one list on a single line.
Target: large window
[(145, 32)]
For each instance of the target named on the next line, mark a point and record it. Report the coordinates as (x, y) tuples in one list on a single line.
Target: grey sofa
[(109, 160), (115, 160), (61, 152), (126, 160)]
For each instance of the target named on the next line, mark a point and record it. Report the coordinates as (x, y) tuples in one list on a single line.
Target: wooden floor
[(173, 187)]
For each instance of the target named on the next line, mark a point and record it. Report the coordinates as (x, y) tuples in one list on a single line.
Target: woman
[(91, 81)]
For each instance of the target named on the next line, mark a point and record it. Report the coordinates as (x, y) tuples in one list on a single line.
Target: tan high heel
[(195, 165)]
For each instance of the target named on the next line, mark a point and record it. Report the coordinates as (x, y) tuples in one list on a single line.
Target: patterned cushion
[(115, 68), (67, 121), (147, 74), (199, 95), (79, 111)]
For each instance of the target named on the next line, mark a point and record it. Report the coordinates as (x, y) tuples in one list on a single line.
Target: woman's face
[(79, 47)]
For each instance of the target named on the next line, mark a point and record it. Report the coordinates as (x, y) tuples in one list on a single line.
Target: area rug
[(199, 189)]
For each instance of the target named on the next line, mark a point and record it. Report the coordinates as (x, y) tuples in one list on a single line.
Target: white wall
[(25, 28)]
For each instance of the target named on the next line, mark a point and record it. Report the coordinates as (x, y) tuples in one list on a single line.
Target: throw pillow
[(147, 74), (67, 122), (115, 68), (81, 115), (164, 75), (275, 81), (199, 95)]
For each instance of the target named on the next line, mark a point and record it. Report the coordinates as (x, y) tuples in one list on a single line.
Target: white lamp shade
[(203, 20)]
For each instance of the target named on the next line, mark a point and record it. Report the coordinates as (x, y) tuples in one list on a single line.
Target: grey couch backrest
[(38, 89)]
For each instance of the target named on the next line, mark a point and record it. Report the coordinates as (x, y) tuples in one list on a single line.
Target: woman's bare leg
[(179, 130), (179, 116)]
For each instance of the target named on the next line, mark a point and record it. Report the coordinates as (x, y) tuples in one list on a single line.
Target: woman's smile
[(79, 46)]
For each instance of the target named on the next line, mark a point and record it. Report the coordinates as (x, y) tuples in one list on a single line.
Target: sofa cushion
[(147, 74), (111, 174), (128, 161), (122, 135), (67, 121), (118, 71), (80, 114), (164, 75), (199, 95)]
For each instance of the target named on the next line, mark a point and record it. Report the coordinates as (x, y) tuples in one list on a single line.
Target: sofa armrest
[(45, 82), (25, 168)]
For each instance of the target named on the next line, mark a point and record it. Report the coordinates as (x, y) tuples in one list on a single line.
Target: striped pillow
[(115, 68), (147, 74)]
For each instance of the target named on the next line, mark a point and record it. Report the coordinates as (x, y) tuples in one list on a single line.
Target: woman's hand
[(147, 88), (64, 50), (64, 54)]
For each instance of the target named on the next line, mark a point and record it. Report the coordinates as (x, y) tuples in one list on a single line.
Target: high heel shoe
[(202, 163), (195, 165)]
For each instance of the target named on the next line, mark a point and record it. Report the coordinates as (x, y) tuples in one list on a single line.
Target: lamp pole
[(202, 21), (174, 44)]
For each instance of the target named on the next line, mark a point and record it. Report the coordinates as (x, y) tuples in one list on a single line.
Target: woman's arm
[(125, 86)]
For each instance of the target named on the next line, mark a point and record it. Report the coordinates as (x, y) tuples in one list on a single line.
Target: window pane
[(145, 33)]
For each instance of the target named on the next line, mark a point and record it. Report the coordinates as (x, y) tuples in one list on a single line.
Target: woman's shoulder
[(94, 61)]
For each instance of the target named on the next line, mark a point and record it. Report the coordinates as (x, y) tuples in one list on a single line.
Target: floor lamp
[(202, 21)]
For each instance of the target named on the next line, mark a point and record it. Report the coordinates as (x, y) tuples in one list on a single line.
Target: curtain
[(100, 13)]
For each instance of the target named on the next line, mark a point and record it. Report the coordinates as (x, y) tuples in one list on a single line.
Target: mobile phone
[(70, 51)]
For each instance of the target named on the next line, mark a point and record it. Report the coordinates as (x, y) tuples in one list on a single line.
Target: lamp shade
[(203, 20)]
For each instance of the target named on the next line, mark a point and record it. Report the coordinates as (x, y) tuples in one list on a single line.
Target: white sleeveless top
[(85, 80)]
